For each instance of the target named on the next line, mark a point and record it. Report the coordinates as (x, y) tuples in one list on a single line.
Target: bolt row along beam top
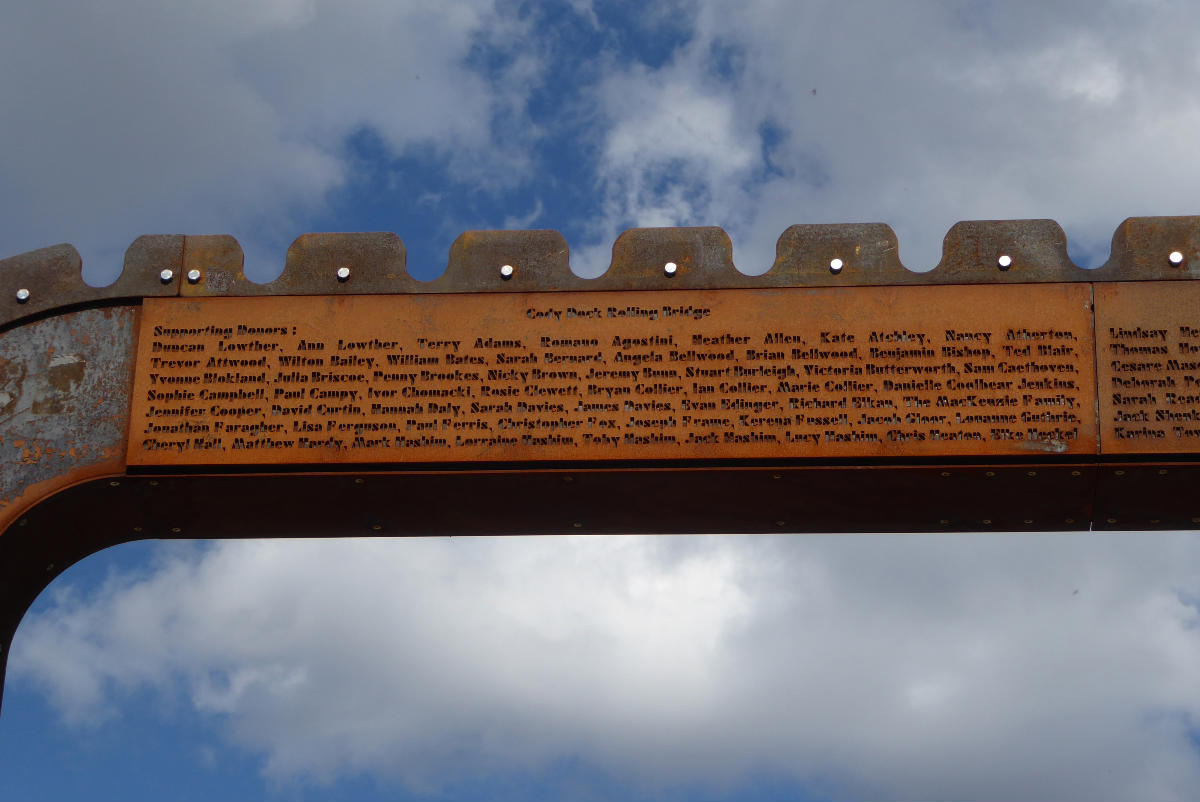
[(810, 255)]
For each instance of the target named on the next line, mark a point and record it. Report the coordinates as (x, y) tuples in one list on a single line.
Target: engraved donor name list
[(1148, 352), (865, 372)]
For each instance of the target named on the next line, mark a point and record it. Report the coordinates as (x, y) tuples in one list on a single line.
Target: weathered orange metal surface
[(876, 372), (64, 403), (1148, 367)]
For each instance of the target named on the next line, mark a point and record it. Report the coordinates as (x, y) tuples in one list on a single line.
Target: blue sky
[(974, 667)]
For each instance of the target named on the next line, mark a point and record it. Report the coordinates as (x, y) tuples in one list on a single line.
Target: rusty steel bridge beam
[(1007, 389)]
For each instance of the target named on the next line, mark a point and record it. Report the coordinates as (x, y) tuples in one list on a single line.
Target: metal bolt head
[(506, 272), (670, 268), (166, 275), (193, 276), (343, 273), (1004, 262), (836, 265), (22, 295), (1175, 258)]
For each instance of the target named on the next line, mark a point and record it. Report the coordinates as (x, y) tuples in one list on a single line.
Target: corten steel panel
[(872, 372), (1148, 367)]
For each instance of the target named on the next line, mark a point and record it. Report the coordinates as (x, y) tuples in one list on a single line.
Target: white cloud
[(900, 666), (674, 121), (917, 116), (129, 117), (675, 148), (133, 117)]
